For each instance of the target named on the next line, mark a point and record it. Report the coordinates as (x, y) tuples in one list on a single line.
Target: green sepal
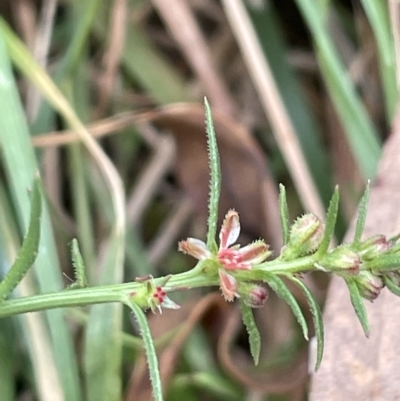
[(330, 223), (283, 292), (252, 330), (29, 249), (362, 214), (317, 318), (358, 305), (284, 213), (215, 181)]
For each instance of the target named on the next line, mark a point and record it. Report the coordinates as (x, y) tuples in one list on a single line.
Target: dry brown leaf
[(354, 367)]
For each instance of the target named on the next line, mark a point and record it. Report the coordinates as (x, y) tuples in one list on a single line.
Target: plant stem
[(101, 294), (193, 278)]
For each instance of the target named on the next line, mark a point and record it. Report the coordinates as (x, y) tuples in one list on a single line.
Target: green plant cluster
[(365, 265)]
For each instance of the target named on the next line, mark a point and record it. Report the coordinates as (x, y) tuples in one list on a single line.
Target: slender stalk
[(100, 294), (193, 278)]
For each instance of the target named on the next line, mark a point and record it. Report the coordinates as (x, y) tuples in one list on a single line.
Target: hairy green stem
[(100, 294), (193, 278)]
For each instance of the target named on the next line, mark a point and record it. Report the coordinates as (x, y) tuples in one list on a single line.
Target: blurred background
[(303, 93)]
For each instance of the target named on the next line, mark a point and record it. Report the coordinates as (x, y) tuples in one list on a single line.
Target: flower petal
[(244, 258), (254, 253), (195, 247), (169, 304), (231, 259), (230, 229), (228, 284)]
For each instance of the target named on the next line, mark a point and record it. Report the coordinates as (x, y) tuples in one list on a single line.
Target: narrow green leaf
[(317, 318), (358, 305), (20, 163), (395, 238), (79, 266), (361, 134), (384, 263), (267, 24), (8, 361), (283, 292), (103, 369), (362, 214), (284, 212), (29, 249), (204, 382), (150, 351), (215, 182), (378, 16), (330, 223), (252, 330), (391, 286)]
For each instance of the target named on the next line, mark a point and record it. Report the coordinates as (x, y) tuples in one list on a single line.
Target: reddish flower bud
[(153, 297), (253, 295), (374, 246), (369, 285), (305, 236)]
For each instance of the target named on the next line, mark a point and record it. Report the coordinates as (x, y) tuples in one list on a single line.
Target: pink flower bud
[(369, 285), (253, 295), (374, 246), (305, 236)]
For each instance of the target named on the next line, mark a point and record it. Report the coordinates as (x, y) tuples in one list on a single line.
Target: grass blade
[(103, 369), (20, 164), (361, 134), (29, 249), (8, 360), (267, 25), (378, 17)]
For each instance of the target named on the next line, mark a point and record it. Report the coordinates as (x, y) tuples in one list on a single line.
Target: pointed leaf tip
[(252, 330), (317, 319), (362, 214), (277, 284), (358, 305)]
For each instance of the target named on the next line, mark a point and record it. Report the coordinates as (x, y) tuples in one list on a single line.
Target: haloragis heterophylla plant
[(242, 273)]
